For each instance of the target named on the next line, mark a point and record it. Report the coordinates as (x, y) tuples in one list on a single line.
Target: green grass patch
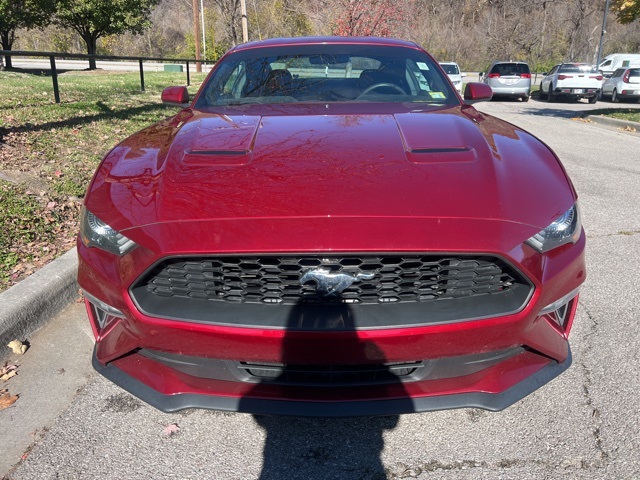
[(49, 151), (628, 114)]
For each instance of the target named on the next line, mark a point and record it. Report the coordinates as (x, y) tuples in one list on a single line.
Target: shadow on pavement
[(327, 448)]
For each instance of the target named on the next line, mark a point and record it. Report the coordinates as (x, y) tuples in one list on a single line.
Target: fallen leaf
[(6, 399), (171, 429), (8, 367), (8, 375), (17, 346)]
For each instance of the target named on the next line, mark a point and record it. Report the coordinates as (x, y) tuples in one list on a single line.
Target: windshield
[(450, 69), (326, 73)]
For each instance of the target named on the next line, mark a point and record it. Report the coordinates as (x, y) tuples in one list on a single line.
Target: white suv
[(624, 84), (453, 71)]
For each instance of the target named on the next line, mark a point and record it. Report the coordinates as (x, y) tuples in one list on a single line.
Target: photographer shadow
[(325, 432)]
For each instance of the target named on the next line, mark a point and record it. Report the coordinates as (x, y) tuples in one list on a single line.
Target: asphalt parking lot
[(585, 424)]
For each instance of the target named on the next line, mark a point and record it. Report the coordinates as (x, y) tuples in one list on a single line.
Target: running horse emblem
[(328, 283)]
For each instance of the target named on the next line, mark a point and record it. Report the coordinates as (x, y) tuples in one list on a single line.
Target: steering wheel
[(371, 88)]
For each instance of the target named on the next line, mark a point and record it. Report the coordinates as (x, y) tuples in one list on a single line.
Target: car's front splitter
[(334, 408)]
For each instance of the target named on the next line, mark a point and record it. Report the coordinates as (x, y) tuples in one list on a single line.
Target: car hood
[(453, 163)]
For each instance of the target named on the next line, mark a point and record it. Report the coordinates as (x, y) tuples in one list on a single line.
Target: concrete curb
[(613, 122), (36, 299)]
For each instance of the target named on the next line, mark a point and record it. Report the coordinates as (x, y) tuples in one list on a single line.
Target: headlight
[(566, 229), (95, 233)]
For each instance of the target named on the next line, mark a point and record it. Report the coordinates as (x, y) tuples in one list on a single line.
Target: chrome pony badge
[(328, 283)]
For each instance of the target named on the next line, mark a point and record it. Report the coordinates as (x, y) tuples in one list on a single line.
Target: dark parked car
[(326, 229), (509, 80)]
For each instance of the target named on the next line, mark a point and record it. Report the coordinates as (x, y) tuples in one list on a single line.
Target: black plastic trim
[(302, 317), (234, 371), (486, 401), (361, 317)]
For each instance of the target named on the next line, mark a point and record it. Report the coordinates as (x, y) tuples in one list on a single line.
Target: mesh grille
[(379, 279)]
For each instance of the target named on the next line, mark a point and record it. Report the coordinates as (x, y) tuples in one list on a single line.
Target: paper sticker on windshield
[(437, 95), (422, 66)]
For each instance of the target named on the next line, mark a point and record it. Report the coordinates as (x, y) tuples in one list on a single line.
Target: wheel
[(525, 98), (541, 94), (593, 99), (614, 96), (550, 96)]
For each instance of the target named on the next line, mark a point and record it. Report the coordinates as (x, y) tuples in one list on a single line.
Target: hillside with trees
[(471, 32)]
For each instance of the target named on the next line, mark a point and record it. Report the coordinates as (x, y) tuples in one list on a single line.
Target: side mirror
[(477, 92), (463, 75), (176, 96), (545, 73)]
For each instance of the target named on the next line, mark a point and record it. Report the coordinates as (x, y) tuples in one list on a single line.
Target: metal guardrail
[(54, 72)]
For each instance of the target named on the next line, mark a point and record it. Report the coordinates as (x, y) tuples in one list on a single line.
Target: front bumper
[(173, 364)]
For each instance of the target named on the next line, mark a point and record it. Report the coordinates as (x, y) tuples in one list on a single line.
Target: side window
[(233, 78), (606, 64), (618, 73)]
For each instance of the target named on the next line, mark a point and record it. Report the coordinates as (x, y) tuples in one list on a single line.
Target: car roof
[(279, 42), (508, 61), (447, 63)]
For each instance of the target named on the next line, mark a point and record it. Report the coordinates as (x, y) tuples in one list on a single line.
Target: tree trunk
[(91, 40), (7, 37)]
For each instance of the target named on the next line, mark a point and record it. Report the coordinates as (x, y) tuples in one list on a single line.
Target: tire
[(593, 99), (541, 94), (614, 96), (525, 98), (550, 96)]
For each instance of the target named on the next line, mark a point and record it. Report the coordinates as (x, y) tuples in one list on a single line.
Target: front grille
[(380, 279)]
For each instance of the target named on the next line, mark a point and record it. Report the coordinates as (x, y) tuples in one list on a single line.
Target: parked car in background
[(624, 84), (571, 81), (613, 62), (509, 80), (320, 232), (453, 72)]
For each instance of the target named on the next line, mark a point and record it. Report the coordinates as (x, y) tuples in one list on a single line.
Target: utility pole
[(196, 35), (204, 39), (604, 30), (245, 30)]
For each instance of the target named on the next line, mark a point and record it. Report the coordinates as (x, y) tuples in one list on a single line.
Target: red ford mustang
[(329, 229)]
